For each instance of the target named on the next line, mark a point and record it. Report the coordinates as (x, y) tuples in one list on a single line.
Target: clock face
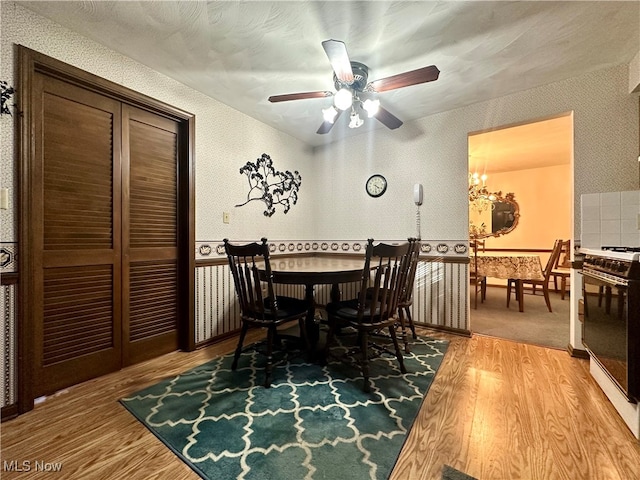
[(376, 185)]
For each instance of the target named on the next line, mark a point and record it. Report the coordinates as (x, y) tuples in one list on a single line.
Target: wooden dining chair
[(562, 268), (519, 284), (261, 307), (376, 308), (479, 282), (406, 296)]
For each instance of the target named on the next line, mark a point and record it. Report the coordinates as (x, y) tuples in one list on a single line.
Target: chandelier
[(480, 199)]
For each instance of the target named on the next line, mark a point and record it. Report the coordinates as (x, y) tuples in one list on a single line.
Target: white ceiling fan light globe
[(355, 120), (343, 99), (371, 106), (329, 114)]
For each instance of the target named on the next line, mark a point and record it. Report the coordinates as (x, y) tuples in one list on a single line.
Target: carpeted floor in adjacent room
[(536, 325)]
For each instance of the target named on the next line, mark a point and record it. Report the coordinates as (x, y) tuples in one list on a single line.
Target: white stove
[(611, 326), (631, 254)]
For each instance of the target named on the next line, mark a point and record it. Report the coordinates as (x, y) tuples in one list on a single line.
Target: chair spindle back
[(250, 287)]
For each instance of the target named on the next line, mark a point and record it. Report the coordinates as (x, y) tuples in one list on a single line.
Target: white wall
[(333, 203), (605, 158), (634, 74), (225, 139), (544, 197)]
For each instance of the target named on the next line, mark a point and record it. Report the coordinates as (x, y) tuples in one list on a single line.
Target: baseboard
[(576, 352), (442, 328), (9, 412)]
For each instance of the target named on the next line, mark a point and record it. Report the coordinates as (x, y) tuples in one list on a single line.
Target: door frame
[(31, 62)]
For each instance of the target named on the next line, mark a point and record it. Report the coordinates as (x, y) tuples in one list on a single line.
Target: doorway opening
[(534, 162)]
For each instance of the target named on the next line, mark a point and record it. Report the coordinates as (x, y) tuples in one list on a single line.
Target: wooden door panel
[(153, 297), (78, 334), (77, 236), (150, 220)]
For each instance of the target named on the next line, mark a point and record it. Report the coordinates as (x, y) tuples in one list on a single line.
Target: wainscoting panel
[(8, 346), (8, 314), (216, 309), (440, 294)]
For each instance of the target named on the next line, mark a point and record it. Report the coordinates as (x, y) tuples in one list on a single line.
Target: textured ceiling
[(240, 53)]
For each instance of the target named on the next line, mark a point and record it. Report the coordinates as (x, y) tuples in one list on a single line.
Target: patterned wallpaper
[(333, 203), (433, 151), (224, 139)]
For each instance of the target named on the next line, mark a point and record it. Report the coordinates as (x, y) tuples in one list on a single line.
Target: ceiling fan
[(355, 92)]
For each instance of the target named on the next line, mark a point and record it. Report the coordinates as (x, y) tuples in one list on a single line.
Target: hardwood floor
[(497, 410)]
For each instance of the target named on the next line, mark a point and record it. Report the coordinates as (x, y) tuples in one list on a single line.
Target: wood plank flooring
[(496, 410)]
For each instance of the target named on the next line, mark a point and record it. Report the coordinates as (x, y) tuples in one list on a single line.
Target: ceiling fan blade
[(414, 77), (299, 96), (387, 118), (326, 126), (339, 59)]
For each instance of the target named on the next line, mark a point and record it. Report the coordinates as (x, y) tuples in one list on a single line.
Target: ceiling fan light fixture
[(371, 106), (329, 114), (355, 120), (343, 99)]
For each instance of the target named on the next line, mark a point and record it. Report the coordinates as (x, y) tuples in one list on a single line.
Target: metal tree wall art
[(7, 92), (270, 186)]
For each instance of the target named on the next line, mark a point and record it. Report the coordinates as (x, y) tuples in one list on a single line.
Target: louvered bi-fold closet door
[(105, 197), (77, 237), (150, 251)]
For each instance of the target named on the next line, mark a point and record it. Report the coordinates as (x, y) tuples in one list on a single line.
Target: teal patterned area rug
[(314, 423)]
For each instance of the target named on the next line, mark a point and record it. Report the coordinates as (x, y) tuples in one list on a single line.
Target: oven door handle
[(614, 282)]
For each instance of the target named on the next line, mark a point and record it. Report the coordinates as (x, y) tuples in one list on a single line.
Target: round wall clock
[(376, 185)]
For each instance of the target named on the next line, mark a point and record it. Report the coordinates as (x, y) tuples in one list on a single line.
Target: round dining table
[(312, 271)]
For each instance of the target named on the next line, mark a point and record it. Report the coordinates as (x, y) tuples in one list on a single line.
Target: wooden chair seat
[(376, 307), (406, 296), (562, 268), (261, 307), (519, 284)]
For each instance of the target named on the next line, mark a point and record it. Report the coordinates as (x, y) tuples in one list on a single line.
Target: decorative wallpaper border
[(207, 249), (8, 257)]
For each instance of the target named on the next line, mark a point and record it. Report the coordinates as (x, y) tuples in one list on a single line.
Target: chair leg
[(236, 356), (271, 337), (364, 346), (508, 292), (305, 339), (483, 290), (404, 330), (399, 356), (520, 295), (563, 286), (411, 325), (329, 340), (475, 296), (545, 291)]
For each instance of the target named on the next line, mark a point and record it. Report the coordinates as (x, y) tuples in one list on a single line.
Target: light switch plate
[(4, 198), (225, 217)]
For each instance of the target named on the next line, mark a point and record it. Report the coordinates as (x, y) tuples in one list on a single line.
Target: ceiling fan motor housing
[(360, 77)]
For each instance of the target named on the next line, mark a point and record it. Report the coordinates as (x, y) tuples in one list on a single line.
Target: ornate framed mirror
[(495, 217)]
